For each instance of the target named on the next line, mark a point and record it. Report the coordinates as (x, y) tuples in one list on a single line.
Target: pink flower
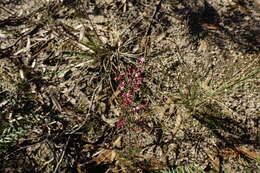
[(127, 95), (138, 74), (121, 85), (129, 80), (141, 60), (139, 79), (139, 108), (127, 99), (139, 70), (121, 124), (136, 109), (117, 78), (129, 68), (127, 102), (136, 89), (138, 83), (120, 76)]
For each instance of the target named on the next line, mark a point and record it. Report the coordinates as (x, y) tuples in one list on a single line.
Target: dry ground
[(61, 103)]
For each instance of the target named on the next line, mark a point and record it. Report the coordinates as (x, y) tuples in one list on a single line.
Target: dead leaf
[(247, 153), (78, 167), (101, 107), (228, 153), (203, 46), (116, 110), (118, 142), (72, 113), (88, 147), (213, 158), (212, 27), (111, 122), (105, 156), (162, 110), (151, 164), (177, 124), (160, 37)]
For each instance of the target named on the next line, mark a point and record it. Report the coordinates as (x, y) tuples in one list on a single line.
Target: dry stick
[(18, 39), (149, 30), (90, 107), (21, 148), (62, 156), (156, 10), (7, 10)]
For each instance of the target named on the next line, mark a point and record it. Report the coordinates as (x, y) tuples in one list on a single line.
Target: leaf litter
[(59, 61)]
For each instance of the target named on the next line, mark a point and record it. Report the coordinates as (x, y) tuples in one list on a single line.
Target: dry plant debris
[(129, 86)]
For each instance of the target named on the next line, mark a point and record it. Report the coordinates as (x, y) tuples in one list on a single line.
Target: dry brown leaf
[(72, 113), (211, 27), (161, 110), (118, 142), (203, 46), (152, 164), (88, 147), (102, 107), (78, 167), (177, 124), (213, 158), (111, 121), (105, 156), (247, 153), (228, 153), (160, 37)]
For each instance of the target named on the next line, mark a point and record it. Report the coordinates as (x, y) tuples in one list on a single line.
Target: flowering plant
[(130, 82)]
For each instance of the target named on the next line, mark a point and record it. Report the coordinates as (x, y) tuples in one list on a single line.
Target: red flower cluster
[(130, 82)]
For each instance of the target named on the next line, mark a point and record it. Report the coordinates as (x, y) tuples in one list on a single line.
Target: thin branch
[(62, 156), (149, 29), (88, 113)]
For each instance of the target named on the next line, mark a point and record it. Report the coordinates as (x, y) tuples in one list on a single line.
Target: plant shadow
[(230, 25), (231, 132)]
